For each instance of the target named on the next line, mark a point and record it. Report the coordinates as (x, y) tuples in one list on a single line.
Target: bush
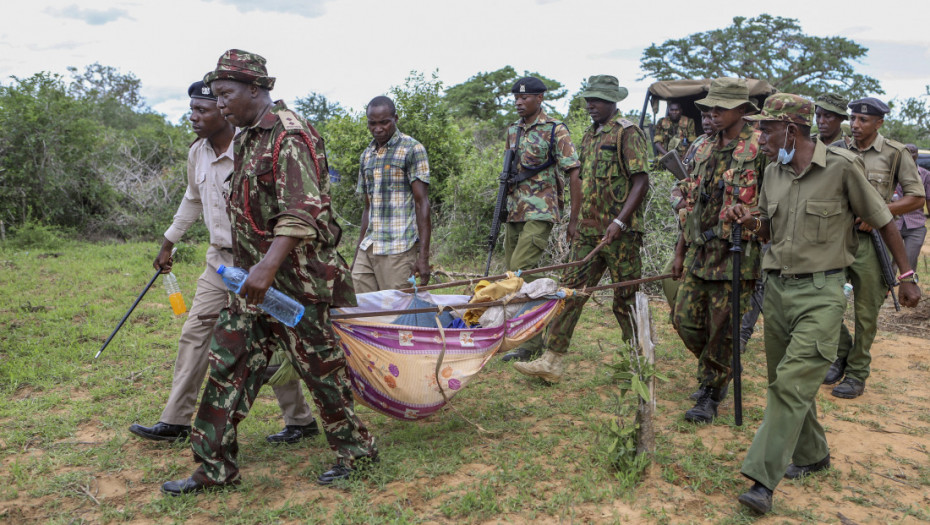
[(37, 236)]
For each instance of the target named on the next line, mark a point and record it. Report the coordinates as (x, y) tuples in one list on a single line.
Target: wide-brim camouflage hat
[(833, 103), (241, 66), (605, 87), (726, 93), (786, 107)]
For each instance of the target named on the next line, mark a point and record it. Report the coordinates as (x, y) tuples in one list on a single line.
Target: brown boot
[(549, 367)]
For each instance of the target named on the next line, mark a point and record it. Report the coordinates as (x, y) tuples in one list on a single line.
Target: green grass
[(66, 456)]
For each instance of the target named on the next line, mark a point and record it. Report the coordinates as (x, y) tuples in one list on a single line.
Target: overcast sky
[(352, 50)]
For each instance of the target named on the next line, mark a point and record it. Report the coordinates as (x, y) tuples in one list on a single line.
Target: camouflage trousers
[(702, 319), (620, 258), (239, 352)]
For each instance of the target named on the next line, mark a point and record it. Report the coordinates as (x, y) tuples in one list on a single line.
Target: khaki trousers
[(372, 273), (190, 367)]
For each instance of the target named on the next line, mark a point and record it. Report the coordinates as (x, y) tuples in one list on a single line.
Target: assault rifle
[(500, 206), (672, 163), (885, 262)]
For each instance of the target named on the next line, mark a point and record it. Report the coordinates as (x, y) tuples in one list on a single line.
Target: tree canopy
[(486, 96), (769, 48)]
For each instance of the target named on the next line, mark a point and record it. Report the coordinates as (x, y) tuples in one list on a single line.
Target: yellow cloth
[(486, 292)]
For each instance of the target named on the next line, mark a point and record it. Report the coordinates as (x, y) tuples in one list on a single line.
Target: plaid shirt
[(385, 175)]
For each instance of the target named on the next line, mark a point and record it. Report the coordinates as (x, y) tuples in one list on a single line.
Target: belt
[(805, 275)]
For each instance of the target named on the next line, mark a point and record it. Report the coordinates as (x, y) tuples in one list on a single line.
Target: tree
[(318, 109), (910, 120), (101, 83), (486, 96), (768, 48)]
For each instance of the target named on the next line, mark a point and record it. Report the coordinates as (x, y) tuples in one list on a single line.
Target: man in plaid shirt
[(395, 231)]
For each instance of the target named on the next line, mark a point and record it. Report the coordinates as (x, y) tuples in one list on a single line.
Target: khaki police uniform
[(811, 222)]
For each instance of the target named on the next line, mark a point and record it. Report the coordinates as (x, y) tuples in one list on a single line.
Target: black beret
[(869, 106), (200, 90), (528, 86)]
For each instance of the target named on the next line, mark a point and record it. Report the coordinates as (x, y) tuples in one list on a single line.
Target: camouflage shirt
[(292, 201), (539, 198), (683, 130), (610, 156), (722, 174)]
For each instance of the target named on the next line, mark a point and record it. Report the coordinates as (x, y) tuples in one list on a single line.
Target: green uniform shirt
[(812, 213), (539, 198), (683, 130), (880, 159), (610, 156)]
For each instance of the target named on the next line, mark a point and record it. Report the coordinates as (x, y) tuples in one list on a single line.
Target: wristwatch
[(623, 226)]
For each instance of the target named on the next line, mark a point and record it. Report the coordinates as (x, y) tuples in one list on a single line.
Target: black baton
[(736, 249)]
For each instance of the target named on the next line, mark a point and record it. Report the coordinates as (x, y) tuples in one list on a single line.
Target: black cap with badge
[(528, 86), (200, 90)]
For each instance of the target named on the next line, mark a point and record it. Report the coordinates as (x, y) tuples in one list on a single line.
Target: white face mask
[(785, 157)]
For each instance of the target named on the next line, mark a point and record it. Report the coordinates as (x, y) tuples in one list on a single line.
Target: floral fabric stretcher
[(409, 371)]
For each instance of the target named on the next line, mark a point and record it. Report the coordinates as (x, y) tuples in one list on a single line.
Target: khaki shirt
[(812, 214), (206, 180), (880, 159)]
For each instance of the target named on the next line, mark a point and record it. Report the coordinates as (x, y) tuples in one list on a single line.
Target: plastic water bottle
[(174, 294), (276, 304), (847, 290)]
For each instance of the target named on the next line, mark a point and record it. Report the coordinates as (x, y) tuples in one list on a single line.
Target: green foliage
[(768, 48), (316, 108), (346, 137), (37, 236), (423, 115), (486, 96), (50, 152), (88, 156), (910, 120)]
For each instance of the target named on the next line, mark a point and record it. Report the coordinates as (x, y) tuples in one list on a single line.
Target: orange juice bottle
[(174, 294)]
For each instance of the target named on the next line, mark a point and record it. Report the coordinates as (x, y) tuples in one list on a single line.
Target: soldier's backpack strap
[(527, 172)]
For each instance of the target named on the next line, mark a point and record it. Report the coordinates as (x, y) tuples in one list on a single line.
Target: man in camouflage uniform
[(726, 171), (886, 165), (810, 197), (674, 131), (830, 113), (544, 151), (608, 197), (284, 233), (209, 163)]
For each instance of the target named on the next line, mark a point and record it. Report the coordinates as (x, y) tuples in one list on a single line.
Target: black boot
[(795, 471), (520, 354), (836, 371), (705, 410), (850, 388), (757, 498)]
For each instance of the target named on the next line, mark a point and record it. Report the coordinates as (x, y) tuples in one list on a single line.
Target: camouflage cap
[(605, 87), (241, 66), (786, 107), (833, 103), (726, 93)]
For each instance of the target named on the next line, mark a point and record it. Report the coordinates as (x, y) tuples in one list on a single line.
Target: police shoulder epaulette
[(290, 120), (843, 152), (624, 122), (894, 144)]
